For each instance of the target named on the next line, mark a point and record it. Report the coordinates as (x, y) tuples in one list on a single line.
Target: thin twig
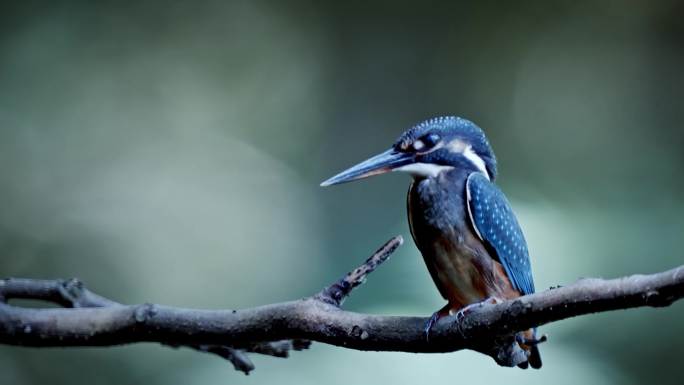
[(336, 293)]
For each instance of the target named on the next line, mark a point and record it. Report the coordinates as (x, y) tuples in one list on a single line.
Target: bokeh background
[(171, 151)]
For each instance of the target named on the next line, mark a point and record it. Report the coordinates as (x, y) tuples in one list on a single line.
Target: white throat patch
[(425, 170)]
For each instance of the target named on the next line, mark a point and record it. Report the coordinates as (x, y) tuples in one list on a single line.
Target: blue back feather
[(497, 225)]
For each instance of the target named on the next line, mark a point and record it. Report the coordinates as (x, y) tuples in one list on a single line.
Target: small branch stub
[(336, 293)]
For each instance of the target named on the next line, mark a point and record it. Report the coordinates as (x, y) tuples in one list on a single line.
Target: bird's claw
[(430, 323), (461, 314)]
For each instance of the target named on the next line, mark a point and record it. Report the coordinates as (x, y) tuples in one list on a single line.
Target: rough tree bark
[(88, 319)]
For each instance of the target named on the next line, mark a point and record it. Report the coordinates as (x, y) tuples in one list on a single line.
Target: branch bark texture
[(88, 319)]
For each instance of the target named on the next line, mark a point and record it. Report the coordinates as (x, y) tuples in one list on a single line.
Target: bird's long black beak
[(379, 164)]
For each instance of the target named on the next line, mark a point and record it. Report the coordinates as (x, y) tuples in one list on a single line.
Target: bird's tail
[(530, 344), (534, 358)]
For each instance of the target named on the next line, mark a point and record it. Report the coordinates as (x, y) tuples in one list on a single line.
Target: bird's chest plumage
[(455, 257)]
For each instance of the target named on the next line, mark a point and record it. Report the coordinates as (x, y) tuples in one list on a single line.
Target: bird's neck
[(449, 176)]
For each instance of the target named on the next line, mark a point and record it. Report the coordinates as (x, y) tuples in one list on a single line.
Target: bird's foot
[(460, 315), (445, 311), (434, 318), (430, 323)]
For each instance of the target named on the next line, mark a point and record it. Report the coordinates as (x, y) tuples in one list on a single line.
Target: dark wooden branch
[(71, 293), (92, 320)]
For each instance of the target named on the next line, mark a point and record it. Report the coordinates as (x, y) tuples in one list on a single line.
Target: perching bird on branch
[(461, 222)]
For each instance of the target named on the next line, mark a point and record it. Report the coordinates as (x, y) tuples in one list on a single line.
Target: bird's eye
[(431, 140), (426, 142)]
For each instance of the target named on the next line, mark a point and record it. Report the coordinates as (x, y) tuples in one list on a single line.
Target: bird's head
[(427, 149)]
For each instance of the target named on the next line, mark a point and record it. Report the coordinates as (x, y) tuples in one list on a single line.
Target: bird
[(461, 222)]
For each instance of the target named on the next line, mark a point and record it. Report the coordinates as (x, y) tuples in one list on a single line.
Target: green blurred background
[(170, 152)]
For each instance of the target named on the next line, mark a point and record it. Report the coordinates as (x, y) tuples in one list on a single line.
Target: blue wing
[(495, 223)]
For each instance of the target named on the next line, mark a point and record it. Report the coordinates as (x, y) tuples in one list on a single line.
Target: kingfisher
[(460, 220)]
